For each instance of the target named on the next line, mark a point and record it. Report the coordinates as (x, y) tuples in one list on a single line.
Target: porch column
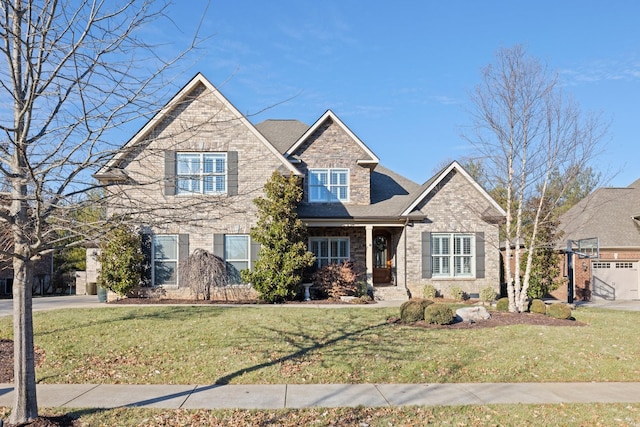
[(369, 257)]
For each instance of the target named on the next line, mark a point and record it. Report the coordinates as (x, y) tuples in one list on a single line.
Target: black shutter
[(183, 247), (218, 245), (169, 173), (232, 173), (480, 255), (426, 255), (146, 241)]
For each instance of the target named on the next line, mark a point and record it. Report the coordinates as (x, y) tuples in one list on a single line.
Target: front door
[(382, 257)]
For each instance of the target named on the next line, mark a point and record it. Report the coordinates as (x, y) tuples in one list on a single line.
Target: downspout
[(404, 232)]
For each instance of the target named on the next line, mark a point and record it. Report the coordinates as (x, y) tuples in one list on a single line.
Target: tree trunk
[(25, 406)]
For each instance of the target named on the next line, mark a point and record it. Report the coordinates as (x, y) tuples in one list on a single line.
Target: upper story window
[(328, 185), (452, 255), (204, 173)]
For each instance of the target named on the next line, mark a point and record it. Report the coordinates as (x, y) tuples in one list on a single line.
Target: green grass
[(276, 344), (480, 415)]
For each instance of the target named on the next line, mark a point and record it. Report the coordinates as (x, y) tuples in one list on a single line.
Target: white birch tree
[(526, 131), (72, 72)]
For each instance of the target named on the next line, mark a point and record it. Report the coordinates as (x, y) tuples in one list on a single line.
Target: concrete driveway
[(627, 305), (53, 303)]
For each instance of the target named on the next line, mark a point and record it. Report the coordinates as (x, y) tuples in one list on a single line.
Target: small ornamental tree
[(202, 271), (121, 260), (282, 236)]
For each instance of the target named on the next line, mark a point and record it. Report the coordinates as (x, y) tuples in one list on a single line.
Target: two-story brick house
[(189, 177)]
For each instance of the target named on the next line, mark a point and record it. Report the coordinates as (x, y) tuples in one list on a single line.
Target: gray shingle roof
[(282, 133), (607, 213), (390, 193)]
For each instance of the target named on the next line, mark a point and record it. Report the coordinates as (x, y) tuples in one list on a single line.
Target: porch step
[(390, 293)]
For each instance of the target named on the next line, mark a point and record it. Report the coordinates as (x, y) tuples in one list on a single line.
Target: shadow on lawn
[(138, 313), (316, 344)]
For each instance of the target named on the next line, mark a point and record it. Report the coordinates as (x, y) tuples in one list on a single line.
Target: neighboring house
[(613, 216), (190, 175)]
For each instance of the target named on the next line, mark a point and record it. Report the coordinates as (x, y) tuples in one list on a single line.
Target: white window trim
[(248, 259), (329, 239), (452, 257), (328, 186), (201, 174), (153, 260)]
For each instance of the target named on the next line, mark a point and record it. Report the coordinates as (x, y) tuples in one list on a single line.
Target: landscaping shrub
[(559, 311), (538, 306), (338, 280), (413, 310), (121, 260), (429, 291), (488, 294), (457, 293), (438, 314), (503, 304)]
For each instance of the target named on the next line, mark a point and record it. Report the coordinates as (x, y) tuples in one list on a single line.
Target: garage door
[(614, 280)]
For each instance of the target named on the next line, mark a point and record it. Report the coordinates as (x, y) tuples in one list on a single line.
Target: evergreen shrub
[(559, 311), (503, 304), (538, 306), (438, 314)]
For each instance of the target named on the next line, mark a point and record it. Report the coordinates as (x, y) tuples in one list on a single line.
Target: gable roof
[(432, 183), (609, 213), (107, 171), (330, 115)]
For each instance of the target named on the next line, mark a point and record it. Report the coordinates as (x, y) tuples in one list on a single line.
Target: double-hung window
[(452, 255), (165, 260), (328, 185), (236, 251), (329, 250), (204, 173)]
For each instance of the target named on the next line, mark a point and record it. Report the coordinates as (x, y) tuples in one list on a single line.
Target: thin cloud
[(602, 70)]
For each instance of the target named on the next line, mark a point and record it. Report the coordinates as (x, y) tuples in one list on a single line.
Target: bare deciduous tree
[(526, 131), (73, 72)]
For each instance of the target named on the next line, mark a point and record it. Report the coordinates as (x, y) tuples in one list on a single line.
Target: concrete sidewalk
[(323, 395)]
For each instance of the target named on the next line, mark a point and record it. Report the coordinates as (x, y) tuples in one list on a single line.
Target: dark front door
[(382, 257)]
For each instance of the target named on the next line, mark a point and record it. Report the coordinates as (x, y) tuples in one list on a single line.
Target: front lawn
[(284, 344)]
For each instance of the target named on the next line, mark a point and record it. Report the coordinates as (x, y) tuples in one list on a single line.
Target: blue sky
[(398, 73)]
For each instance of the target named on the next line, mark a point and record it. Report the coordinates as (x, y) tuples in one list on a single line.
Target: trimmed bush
[(438, 314), (457, 293), (413, 310), (338, 279), (559, 311), (488, 294), (538, 306), (429, 292), (503, 304)]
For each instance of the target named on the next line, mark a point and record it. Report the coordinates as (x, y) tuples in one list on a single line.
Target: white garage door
[(614, 280)]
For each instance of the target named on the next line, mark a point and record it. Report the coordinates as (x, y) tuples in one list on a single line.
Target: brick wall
[(455, 206), (330, 147)]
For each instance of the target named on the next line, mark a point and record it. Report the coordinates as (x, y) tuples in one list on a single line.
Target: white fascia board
[(454, 165), (179, 97), (330, 114)]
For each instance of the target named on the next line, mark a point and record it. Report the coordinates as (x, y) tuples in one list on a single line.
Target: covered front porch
[(374, 248)]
